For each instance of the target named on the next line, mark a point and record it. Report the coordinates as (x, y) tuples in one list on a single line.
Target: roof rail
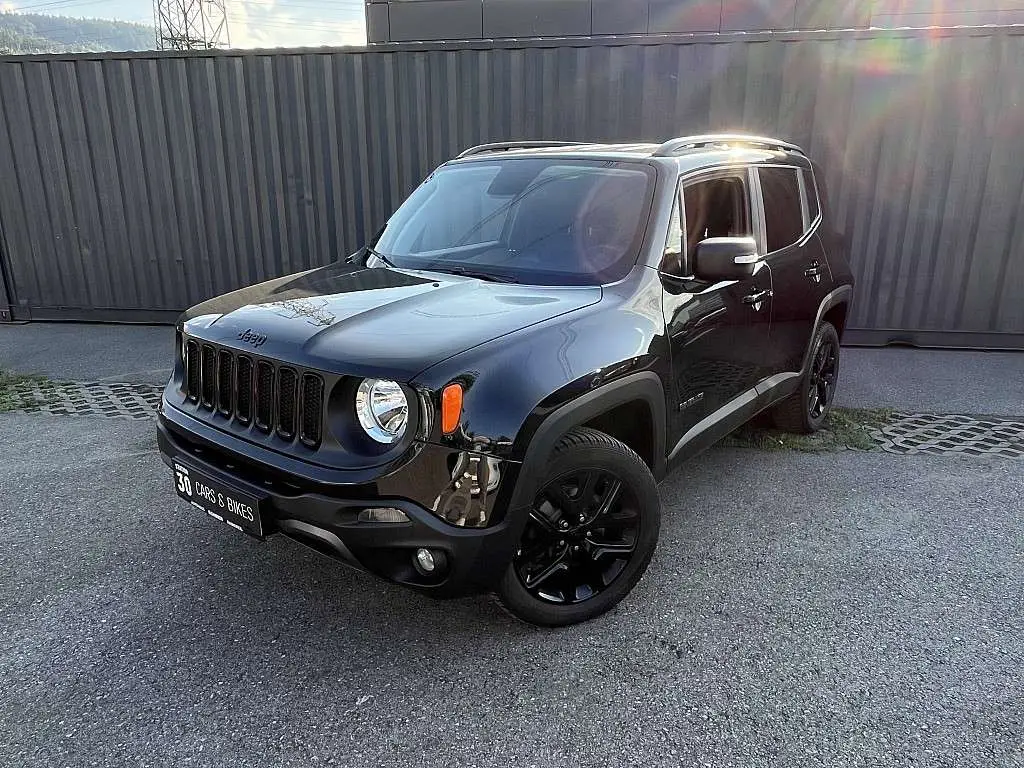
[(674, 146), (504, 146)]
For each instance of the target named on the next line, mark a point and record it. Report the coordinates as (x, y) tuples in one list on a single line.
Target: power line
[(56, 5)]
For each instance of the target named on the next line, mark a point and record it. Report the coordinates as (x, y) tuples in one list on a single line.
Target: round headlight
[(383, 410)]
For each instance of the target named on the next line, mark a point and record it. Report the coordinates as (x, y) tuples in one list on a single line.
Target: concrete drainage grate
[(74, 398), (939, 434)]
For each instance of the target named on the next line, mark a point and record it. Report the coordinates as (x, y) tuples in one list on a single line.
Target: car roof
[(685, 153)]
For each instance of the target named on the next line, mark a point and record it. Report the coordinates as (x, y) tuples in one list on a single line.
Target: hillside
[(35, 33)]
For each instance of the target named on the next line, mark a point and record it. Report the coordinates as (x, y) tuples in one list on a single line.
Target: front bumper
[(324, 514)]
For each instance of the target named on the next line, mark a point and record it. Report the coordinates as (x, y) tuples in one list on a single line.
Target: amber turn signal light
[(451, 408)]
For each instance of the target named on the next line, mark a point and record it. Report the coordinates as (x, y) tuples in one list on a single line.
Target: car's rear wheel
[(591, 532), (807, 409)]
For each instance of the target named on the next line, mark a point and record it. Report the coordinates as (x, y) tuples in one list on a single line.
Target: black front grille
[(192, 370), (264, 395), (274, 400), (209, 365), (225, 382), (243, 398), (287, 402), (312, 408)]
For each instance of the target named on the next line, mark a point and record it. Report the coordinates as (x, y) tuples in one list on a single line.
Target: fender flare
[(644, 385), (843, 293)]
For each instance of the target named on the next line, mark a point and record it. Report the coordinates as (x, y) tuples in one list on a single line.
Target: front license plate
[(237, 508)]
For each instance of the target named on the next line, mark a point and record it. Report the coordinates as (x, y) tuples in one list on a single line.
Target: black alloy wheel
[(822, 378), (582, 532), (807, 409), (589, 534)]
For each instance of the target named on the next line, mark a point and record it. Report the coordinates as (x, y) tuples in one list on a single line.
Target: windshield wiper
[(455, 270), (479, 274), (384, 259)]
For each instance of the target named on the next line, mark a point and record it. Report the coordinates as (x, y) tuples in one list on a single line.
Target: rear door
[(790, 214)]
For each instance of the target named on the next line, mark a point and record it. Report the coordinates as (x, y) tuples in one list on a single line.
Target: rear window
[(547, 221), (783, 214)]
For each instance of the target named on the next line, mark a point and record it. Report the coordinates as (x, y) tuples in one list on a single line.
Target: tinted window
[(716, 208), (813, 208), (537, 220), (783, 218)]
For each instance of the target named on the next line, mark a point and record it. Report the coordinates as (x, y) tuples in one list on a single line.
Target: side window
[(716, 208), (672, 259), (783, 216), (811, 189)]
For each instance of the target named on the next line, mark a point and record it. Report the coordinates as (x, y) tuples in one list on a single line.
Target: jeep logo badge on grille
[(256, 339)]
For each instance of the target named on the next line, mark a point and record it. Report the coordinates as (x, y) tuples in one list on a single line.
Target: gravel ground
[(802, 610)]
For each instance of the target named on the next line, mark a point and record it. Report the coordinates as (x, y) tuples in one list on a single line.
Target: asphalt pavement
[(89, 351), (801, 610), (932, 380)]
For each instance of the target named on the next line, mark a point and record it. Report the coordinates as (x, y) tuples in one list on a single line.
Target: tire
[(807, 409), (558, 549)]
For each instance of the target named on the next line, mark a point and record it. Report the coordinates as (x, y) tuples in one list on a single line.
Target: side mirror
[(725, 258)]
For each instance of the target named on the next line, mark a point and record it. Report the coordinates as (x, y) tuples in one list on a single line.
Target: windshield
[(546, 221)]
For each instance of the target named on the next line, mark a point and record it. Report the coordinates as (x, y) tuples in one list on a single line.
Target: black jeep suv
[(485, 397)]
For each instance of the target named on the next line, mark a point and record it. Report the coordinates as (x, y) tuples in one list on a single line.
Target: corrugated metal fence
[(135, 185)]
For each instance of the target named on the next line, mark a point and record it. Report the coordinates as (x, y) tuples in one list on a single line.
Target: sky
[(252, 23)]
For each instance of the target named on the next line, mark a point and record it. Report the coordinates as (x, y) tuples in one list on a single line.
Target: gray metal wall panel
[(536, 18), (832, 14), (668, 16), (445, 20), (620, 17), (145, 183), (436, 20), (752, 15), (377, 23)]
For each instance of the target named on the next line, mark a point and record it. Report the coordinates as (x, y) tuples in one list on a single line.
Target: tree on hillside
[(34, 33)]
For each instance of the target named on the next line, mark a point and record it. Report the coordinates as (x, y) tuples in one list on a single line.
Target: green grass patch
[(20, 392), (846, 429)]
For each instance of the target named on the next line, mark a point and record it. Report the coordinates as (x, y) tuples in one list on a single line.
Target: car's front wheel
[(591, 532)]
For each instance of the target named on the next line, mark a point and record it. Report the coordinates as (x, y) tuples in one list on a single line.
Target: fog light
[(382, 515), (425, 560), (430, 562)]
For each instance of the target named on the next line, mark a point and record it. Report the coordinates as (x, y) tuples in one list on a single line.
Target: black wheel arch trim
[(645, 386), (842, 294)]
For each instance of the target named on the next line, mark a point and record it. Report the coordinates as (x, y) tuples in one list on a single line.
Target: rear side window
[(811, 190), (783, 215)]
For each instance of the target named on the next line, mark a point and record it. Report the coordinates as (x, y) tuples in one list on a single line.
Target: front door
[(718, 331)]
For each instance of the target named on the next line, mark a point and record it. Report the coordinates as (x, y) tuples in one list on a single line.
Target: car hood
[(375, 322)]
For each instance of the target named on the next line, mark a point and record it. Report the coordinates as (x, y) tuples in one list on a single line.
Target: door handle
[(757, 298), (813, 272)]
